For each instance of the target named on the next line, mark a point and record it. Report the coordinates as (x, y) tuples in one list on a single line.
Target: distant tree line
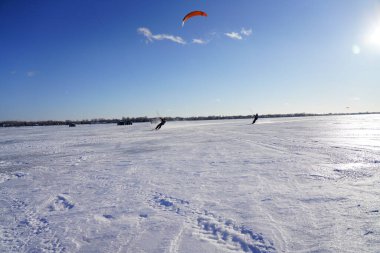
[(147, 119)]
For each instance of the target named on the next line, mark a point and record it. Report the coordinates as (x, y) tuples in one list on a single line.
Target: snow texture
[(281, 185)]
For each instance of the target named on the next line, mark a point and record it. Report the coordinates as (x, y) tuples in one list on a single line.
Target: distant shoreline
[(19, 123)]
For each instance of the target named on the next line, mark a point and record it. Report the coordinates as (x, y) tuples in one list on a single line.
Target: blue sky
[(82, 59)]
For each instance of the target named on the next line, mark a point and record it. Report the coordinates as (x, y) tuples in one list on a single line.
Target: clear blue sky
[(84, 59)]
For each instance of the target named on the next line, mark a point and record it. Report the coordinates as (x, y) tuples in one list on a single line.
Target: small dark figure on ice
[(255, 118), (163, 121)]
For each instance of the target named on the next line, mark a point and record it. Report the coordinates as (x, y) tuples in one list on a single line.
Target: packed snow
[(307, 184)]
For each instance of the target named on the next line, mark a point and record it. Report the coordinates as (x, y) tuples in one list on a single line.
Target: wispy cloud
[(31, 73), (199, 41), (239, 35), (234, 35), (13, 72), (151, 37), (246, 32)]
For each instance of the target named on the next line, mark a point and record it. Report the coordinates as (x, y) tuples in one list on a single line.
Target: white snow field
[(282, 185)]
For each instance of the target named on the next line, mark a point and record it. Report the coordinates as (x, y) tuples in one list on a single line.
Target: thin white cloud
[(31, 73), (146, 32), (13, 72), (151, 37), (239, 35), (246, 32), (234, 35), (175, 39), (199, 41)]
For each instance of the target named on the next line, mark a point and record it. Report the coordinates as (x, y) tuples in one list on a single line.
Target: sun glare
[(374, 35), (355, 49)]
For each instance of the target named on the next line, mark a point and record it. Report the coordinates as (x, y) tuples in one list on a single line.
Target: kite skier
[(163, 121), (255, 118)]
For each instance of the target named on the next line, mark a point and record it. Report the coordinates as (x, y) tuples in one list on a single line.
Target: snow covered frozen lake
[(282, 185)]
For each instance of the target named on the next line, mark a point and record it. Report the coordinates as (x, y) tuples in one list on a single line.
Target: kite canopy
[(193, 14)]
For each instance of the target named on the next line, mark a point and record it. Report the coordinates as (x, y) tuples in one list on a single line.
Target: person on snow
[(163, 121), (255, 118)]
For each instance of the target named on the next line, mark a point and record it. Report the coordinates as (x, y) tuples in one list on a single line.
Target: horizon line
[(269, 115)]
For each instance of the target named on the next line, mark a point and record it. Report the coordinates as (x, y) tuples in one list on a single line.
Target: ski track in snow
[(215, 229), (175, 243)]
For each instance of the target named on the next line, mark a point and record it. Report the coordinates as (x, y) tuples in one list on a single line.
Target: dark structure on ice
[(72, 125), (255, 118), (163, 121)]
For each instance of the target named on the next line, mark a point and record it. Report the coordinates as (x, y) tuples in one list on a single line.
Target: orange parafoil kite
[(193, 14)]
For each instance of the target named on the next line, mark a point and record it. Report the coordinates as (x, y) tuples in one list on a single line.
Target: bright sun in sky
[(374, 35)]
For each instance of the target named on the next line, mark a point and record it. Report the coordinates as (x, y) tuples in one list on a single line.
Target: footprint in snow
[(215, 229), (61, 203)]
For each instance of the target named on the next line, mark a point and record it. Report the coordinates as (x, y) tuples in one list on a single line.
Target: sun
[(374, 38), (374, 35)]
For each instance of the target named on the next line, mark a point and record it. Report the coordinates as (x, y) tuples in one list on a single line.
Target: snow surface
[(281, 185)]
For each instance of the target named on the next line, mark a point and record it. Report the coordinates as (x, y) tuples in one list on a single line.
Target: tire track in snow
[(211, 227)]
